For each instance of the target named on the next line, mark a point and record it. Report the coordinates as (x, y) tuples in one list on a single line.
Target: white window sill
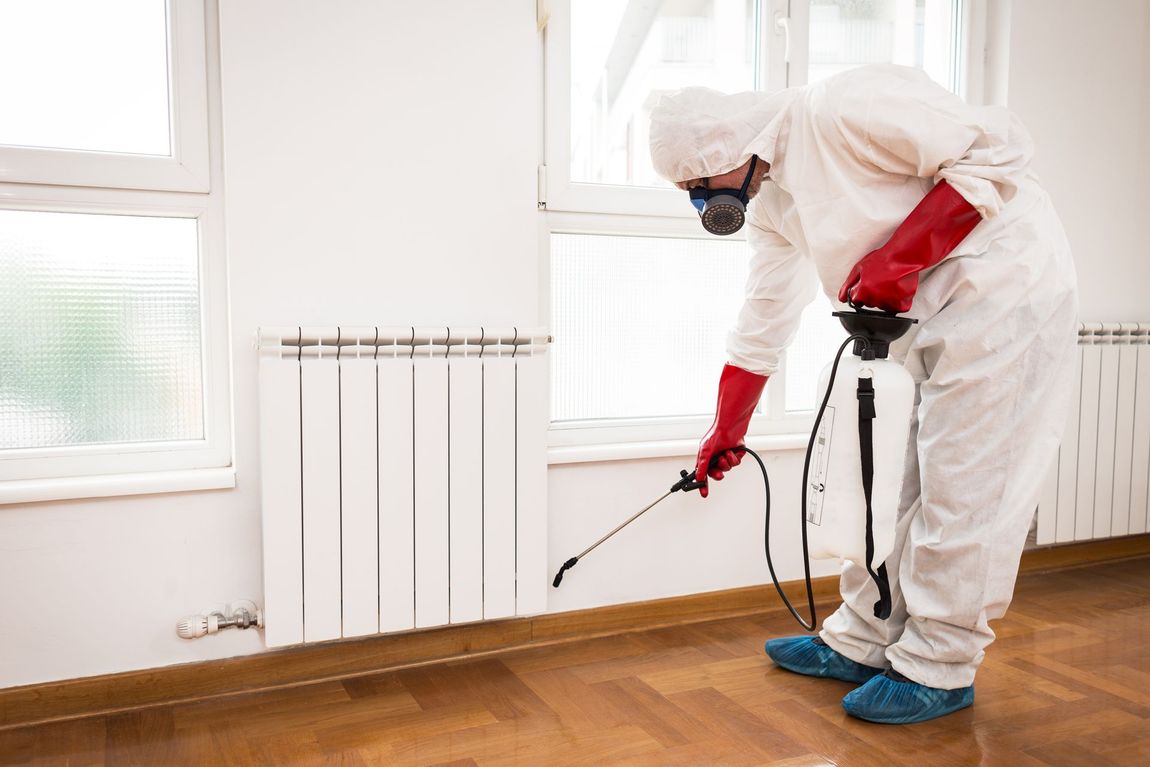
[(627, 451), (67, 488)]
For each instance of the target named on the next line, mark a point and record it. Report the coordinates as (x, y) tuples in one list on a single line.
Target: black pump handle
[(863, 310)]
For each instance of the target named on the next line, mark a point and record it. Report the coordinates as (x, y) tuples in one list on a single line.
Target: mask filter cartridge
[(723, 211)]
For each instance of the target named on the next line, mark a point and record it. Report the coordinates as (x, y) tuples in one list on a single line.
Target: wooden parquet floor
[(1067, 683)]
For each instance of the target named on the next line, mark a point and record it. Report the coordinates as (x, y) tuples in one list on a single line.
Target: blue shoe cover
[(811, 656), (894, 699)]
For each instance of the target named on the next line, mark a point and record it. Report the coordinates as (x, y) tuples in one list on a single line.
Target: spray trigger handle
[(687, 479), (686, 482)]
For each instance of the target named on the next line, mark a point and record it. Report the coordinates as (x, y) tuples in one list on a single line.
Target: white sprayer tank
[(836, 505)]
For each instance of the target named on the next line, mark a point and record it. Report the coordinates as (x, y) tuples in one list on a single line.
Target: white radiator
[(403, 478), (1097, 487)]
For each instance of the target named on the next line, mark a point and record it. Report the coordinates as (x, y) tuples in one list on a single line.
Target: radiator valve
[(242, 615)]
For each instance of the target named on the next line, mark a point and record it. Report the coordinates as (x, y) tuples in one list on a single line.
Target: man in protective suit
[(899, 196)]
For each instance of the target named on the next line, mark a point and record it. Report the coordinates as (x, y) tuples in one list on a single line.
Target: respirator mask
[(723, 211)]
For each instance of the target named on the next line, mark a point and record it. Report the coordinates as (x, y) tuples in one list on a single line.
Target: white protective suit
[(992, 355)]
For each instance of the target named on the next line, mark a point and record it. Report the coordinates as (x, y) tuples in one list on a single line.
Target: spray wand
[(687, 482)]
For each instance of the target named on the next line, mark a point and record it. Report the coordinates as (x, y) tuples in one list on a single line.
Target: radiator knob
[(195, 626)]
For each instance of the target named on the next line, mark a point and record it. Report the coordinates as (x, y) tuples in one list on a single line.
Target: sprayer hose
[(813, 623)]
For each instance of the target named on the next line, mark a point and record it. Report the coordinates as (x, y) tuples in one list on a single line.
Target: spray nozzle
[(566, 566)]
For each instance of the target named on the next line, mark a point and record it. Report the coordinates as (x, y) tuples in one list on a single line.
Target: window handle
[(783, 27)]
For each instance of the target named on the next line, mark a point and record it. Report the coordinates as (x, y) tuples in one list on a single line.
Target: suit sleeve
[(780, 282), (905, 123)]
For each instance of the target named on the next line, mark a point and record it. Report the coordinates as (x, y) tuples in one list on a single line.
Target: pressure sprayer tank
[(836, 503)]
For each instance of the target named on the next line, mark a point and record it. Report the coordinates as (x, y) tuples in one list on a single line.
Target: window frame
[(173, 190), (185, 170), (782, 60)]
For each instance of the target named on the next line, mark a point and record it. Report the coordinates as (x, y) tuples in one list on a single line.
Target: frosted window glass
[(624, 55), (849, 33), (814, 346), (640, 323), (99, 329), (78, 74)]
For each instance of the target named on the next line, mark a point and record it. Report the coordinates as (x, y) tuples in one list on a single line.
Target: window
[(918, 33), (641, 297), (97, 83), (624, 54), (626, 352), (113, 376)]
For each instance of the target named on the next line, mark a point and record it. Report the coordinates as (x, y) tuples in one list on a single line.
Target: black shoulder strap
[(866, 451)]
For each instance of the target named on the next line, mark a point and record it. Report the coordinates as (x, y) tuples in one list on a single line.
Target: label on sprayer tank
[(820, 461)]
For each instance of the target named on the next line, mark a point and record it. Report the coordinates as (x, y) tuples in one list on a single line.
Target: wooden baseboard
[(356, 657), (295, 666), (1065, 556)]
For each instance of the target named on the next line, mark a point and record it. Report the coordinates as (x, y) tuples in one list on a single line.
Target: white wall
[(380, 167), (1080, 80)]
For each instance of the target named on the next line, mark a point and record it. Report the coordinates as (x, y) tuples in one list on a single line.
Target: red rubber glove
[(887, 278), (739, 392)]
